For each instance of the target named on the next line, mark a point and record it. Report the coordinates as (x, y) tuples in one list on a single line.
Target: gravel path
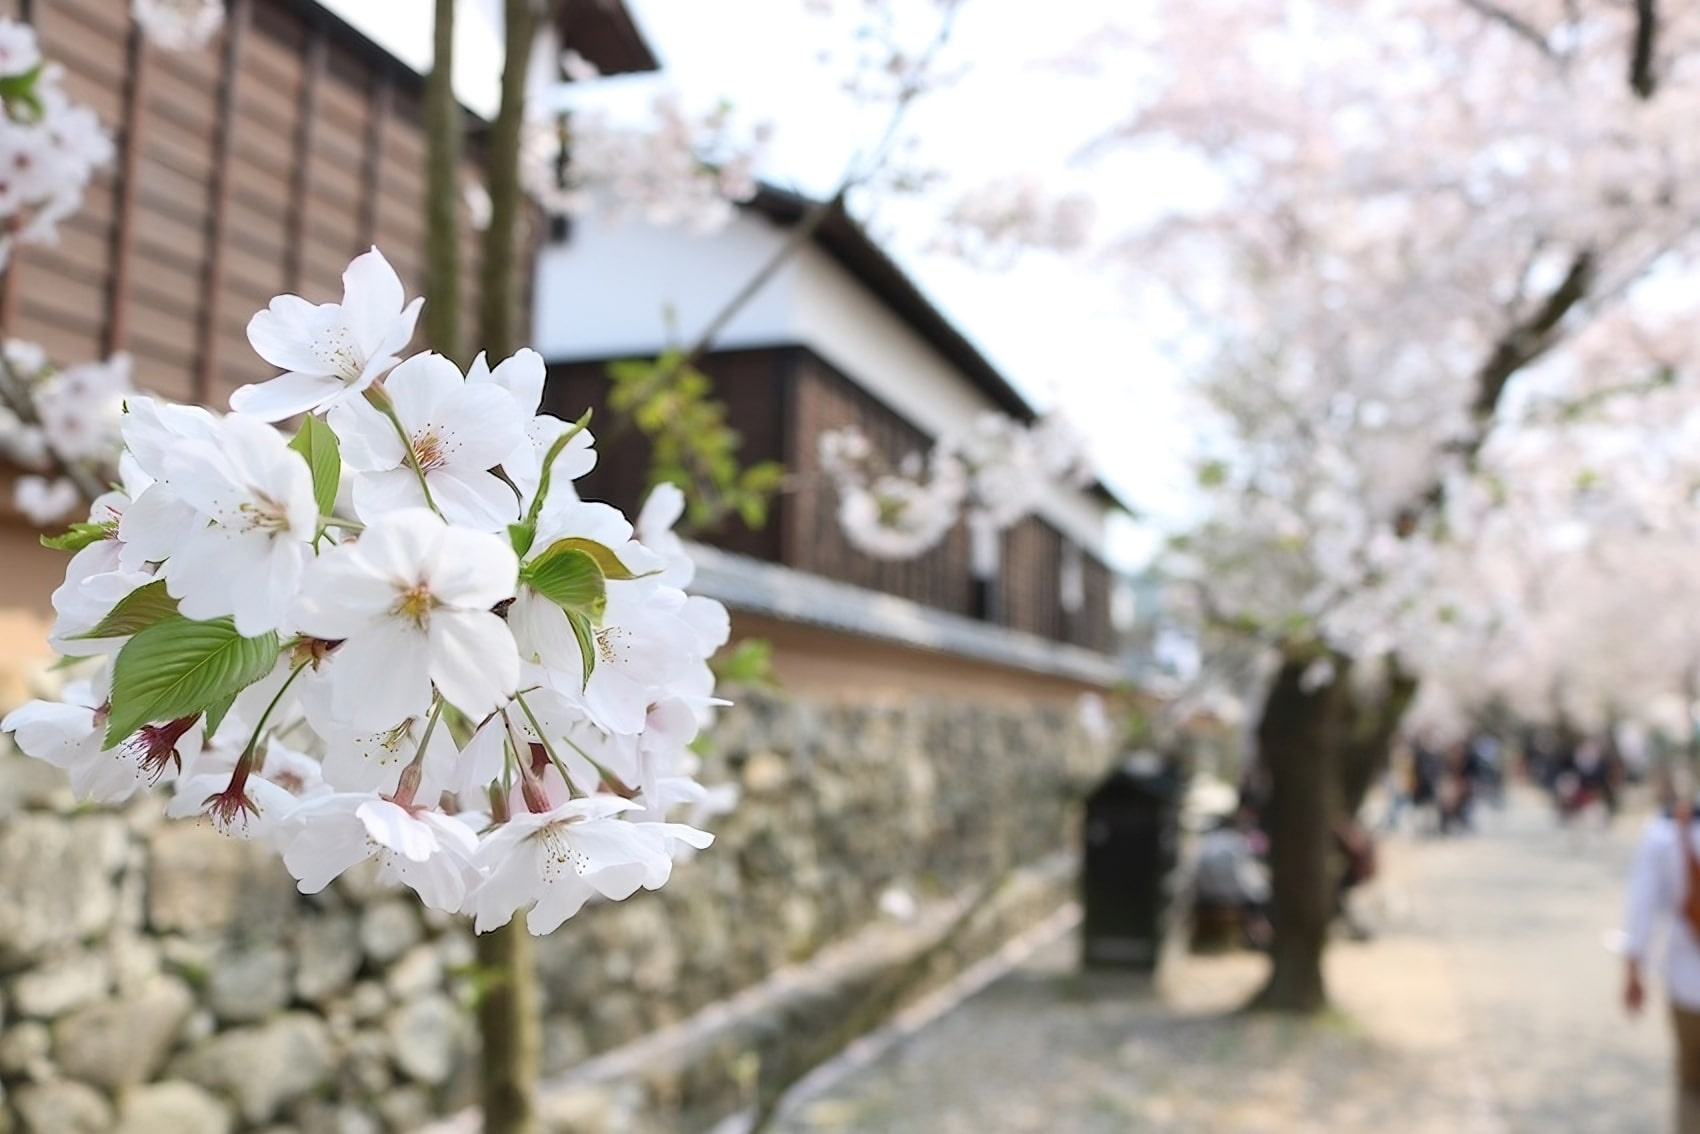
[(1485, 1005)]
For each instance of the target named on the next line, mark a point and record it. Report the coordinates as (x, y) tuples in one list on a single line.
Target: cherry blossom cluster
[(997, 220), (992, 472), (49, 147), (397, 635), (76, 413), (179, 25), (681, 169)]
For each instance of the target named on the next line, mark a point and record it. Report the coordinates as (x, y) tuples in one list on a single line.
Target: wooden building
[(259, 164), (839, 336)]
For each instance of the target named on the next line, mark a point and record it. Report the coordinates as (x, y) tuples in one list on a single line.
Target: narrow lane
[(1486, 1004), (1524, 909)]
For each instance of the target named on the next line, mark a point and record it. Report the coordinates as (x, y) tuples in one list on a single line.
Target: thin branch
[(861, 169), (1643, 76), (1513, 23), (1530, 339), (1520, 345)]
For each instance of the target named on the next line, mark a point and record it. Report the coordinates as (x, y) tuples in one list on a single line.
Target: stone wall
[(157, 978)]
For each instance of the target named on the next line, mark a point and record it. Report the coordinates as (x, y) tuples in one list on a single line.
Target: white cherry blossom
[(255, 496), (411, 603), (556, 861), (330, 352), (179, 25), (456, 430)]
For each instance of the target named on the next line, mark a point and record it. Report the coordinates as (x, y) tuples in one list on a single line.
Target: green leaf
[(216, 712), (316, 442), (547, 476), (608, 562), (522, 536), (135, 612), (80, 536), (750, 662), (177, 667), (586, 635), (569, 578)]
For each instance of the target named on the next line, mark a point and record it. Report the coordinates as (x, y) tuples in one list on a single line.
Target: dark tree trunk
[(1299, 743), (1371, 721), (442, 191), (509, 1021), (500, 291)]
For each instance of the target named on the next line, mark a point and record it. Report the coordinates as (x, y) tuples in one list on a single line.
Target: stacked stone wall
[(159, 978)]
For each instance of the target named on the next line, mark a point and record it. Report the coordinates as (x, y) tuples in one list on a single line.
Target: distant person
[(1664, 899), (1231, 882)]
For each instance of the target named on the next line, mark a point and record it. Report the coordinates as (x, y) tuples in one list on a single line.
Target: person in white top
[(1664, 873)]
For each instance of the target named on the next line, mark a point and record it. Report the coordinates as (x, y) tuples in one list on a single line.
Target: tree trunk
[(500, 291), (1299, 741), (442, 191), (509, 1016), (1371, 722), (508, 1027)]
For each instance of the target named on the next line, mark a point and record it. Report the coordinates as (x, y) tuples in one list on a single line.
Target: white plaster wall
[(631, 290)]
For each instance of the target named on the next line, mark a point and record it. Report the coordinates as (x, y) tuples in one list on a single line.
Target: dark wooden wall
[(257, 165), (781, 399)]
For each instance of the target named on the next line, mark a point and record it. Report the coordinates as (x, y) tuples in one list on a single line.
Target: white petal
[(474, 498), (382, 676), (286, 395), (473, 660), (372, 296), (480, 426), (392, 827), (282, 332), (474, 570), (420, 386)]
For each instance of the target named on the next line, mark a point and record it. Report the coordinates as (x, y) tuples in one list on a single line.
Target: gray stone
[(366, 1063), (56, 874), (327, 955), (122, 1042), (200, 881), (316, 1116), (247, 985), (25, 1050), (405, 1108), (54, 988), (389, 929), (576, 1110), (62, 1107), (134, 959), (28, 784), (263, 1068), (171, 1108), (368, 1001), (419, 971), (765, 772), (425, 1037)]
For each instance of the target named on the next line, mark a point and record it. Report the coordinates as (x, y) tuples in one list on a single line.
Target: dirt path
[(1485, 1005)]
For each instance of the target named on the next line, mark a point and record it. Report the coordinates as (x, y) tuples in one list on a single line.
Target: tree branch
[(1643, 78), (1513, 23), (1520, 345), (1530, 339)]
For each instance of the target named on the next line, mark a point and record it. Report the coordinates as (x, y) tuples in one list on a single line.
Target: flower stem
[(380, 401), (254, 740), (548, 471), (411, 775), (554, 757)]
